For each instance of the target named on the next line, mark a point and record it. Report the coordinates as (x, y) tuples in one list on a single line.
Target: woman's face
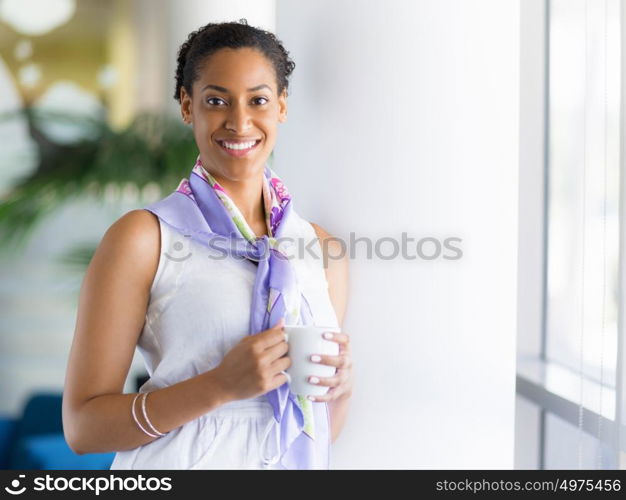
[(235, 101)]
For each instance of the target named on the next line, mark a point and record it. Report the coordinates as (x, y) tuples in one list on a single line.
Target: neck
[(248, 196), (246, 191)]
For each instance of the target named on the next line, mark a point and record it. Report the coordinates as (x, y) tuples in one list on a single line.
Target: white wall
[(531, 216), (403, 116), (531, 175)]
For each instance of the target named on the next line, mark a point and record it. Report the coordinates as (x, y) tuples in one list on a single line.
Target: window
[(569, 359), (583, 186)]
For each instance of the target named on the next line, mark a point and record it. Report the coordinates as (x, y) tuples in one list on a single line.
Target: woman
[(208, 322)]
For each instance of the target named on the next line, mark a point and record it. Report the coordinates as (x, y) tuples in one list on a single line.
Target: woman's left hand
[(341, 383)]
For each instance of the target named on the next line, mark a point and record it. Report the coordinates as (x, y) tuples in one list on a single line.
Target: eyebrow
[(225, 90)]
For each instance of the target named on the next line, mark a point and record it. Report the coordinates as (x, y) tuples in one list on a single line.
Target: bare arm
[(111, 312), (337, 275)]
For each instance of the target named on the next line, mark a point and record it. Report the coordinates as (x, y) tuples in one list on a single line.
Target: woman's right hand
[(253, 366)]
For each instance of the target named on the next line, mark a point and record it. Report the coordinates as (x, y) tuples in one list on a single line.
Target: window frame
[(535, 380)]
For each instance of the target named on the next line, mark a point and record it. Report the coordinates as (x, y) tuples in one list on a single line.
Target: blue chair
[(36, 441)]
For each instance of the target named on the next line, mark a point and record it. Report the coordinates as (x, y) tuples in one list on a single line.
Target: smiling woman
[(235, 125), (209, 324)]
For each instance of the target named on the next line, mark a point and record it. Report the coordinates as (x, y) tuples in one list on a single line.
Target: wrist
[(214, 385)]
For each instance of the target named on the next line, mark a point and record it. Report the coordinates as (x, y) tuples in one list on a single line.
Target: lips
[(238, 153)]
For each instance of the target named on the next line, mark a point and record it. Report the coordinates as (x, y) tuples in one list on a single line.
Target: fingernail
[(328, 335), (312, 398), (315, 358), (314, 380)]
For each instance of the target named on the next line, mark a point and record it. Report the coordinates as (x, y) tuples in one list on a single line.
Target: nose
[(238, 119)]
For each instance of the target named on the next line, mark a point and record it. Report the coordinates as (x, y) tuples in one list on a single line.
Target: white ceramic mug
[(305, 340)]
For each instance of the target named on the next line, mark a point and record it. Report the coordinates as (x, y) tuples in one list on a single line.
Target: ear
[(185, 106), (282, 106)]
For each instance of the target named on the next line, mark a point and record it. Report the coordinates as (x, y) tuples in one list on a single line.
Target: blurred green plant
[(154, 149)]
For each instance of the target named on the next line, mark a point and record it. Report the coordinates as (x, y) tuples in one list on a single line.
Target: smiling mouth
[(237, 151)]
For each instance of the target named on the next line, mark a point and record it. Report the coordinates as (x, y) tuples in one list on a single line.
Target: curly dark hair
[(214, 36)]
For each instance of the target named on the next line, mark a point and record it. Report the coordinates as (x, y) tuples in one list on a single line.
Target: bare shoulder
[(133, 241), (336, 268), (138, 227)]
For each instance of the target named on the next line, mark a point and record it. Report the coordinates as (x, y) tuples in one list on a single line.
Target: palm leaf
[(152, 149)]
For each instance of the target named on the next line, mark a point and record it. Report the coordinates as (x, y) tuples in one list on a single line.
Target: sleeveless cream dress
[(199, 308)]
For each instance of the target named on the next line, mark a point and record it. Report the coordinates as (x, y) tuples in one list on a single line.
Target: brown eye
[(213, 99), (256, 99)]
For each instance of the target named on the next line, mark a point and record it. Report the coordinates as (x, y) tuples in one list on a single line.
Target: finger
[(275, 352), (273, 335), (339, 337), (280, 379), (329, 396), (341, 361), (325, 381), (281, 364)]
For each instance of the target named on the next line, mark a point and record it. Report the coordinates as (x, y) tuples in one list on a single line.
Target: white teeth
[(242, 145)]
